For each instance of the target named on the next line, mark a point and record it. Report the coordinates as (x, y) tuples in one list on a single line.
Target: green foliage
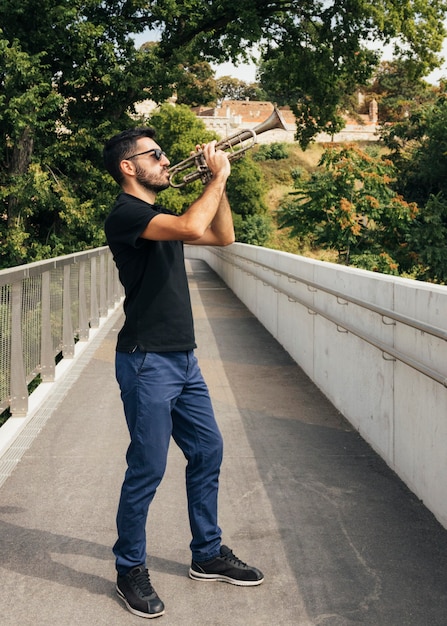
[(428, 241), (70, 76), (349, 205), (68, 79), (197, 86), (324, 58), (246, 188), (288, 76), (254, 229), (316, 55), (399, 90), (230, 88), (376, 262), (418, 148), (274, 151)]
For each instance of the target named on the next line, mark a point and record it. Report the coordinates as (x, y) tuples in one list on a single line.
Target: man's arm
[(221, 229), (194, 224)]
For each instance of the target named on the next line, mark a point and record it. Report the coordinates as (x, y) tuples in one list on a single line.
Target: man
[(161, 385)]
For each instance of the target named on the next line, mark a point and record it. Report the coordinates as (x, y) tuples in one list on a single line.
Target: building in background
[(234, 115)]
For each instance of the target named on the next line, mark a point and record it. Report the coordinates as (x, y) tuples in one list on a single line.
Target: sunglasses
[(155, 151)]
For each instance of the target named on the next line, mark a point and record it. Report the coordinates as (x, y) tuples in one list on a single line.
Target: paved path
[(340, 539)]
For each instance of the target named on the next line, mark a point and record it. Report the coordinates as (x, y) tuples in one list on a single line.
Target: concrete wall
[(394, 393)]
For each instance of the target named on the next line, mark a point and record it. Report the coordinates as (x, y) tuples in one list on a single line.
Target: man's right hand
[(216, 160)]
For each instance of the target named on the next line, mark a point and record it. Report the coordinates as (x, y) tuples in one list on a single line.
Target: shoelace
[(229, 556), (143, 582)]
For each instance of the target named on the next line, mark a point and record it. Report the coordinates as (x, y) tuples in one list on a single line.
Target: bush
[(272, 151), (254, 229)]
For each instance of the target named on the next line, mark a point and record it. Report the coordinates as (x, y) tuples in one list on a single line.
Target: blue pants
[(164, 394)]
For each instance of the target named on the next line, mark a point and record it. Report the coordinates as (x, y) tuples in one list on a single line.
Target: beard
[(151, 183)]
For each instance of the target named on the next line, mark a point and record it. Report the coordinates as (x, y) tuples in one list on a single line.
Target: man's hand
[(216, 160)]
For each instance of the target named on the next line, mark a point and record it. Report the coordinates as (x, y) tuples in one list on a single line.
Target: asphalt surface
[(340, 539)]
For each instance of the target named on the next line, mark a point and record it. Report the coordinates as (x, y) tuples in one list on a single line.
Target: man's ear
[(127, 167)]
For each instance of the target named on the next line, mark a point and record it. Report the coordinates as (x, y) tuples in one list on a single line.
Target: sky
[(435, 76), (247, 71)]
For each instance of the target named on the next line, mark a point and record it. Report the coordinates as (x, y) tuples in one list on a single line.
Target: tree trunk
[(20, 160)]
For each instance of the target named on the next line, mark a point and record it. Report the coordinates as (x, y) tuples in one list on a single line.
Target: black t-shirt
[(157, 303)]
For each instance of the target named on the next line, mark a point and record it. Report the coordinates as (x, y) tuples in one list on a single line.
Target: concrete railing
[(45, 309), (374, 344)]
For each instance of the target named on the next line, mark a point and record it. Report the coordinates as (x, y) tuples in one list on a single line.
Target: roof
[(254, 111), (248, 111)]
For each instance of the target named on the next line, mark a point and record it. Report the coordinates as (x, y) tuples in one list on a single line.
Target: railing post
[(18, 386), (110, 284), (102, 286), (94, 313), (67, 324), (116, 286), (47, 362), (83, 321)]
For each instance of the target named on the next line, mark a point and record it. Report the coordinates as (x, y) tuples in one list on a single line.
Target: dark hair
[(121, 146)]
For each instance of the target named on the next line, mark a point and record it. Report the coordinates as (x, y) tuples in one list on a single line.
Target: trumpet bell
[(275, 120)]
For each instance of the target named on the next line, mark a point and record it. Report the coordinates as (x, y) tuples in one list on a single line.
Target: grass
[(277, 174), (279, 182)]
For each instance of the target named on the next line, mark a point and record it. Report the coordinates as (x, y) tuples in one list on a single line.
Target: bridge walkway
[(340, 539)]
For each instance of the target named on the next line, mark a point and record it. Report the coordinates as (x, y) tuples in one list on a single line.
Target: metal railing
[(243, 264), (45, 308)]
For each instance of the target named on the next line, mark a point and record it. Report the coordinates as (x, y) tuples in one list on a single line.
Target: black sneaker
[(226, 568), (137, 593)]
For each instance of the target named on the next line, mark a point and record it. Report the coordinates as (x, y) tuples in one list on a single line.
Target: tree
[(428, 240), (246, 191), (399, 90), (71, 75), (254, 229), (418, 149), (234, 89), (313, 54), (27, 105), (197, 85), (349, 205)]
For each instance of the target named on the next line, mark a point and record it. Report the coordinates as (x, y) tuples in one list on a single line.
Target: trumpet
[(243, 140)]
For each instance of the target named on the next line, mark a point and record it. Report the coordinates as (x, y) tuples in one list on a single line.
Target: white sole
[(223, 579), (122, 597)]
